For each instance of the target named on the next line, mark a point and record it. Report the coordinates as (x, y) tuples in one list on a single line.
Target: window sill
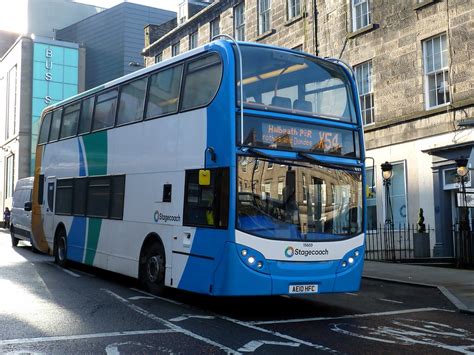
[(294, 19), (363, 30), (423, 4), (266, 34)]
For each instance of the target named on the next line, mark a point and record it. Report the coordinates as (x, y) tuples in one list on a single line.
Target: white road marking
[(169, 324), (156, 297), (411, 332), (350, 316), (188, 316), (391, 301), (23, 341), (277, 334), (351, 294), (253, 345), (135, 298)]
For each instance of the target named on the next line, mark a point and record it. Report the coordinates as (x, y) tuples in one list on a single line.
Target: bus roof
[(173, 60)]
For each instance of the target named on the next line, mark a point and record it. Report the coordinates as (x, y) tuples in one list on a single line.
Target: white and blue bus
[(198, 175)]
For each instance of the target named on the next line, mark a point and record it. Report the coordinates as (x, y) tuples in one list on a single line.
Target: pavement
[(456, 284)]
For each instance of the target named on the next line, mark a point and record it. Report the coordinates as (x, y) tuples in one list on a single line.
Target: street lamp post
[(462, 171), (387, 172)]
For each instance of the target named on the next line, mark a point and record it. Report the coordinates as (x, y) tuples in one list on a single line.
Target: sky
[(13, 13)]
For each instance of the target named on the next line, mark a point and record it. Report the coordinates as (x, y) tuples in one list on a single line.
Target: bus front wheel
[(60, 248), (152, 269)]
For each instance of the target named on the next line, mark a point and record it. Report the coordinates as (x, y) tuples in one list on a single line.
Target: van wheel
[(60, 248), (14, 239), (152, 269)]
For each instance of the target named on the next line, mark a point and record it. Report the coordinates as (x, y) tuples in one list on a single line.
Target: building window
[(159, 57), (397, 212), (239, 22), (11, 103), (361, 15), (371, 195), (175, 49), (214, 28), (10, 176), (435, 55), (264, 7), (182, 12), (294, 8), (363, 74), (193, 40)]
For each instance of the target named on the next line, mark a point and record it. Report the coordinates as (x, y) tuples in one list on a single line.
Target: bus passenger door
[(49, 208)]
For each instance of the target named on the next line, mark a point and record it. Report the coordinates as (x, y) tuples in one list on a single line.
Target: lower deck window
[(100, 197)]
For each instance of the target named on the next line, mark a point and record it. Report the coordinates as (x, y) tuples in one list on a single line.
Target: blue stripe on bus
[(76, 239), (82, 164)]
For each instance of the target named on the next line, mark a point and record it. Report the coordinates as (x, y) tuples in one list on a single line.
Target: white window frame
[(365, 19), (193, 40), (159, 57), (239, 21), (431, 72), (293, 9), (364, 80), (11, 108), (374, 188), (456, 185), (175, 49), (9, 175), (213, 25), (264, 16)]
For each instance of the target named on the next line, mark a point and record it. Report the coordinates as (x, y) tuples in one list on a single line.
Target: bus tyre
[(152, 269), (14, 239), (60, 248)]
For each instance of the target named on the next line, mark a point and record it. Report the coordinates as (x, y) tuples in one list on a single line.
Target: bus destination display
[(276, 134)]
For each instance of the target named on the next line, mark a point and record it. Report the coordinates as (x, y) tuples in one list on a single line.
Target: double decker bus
[(231, 169)]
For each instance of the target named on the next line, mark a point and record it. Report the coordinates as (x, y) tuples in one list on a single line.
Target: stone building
[(414, 69)]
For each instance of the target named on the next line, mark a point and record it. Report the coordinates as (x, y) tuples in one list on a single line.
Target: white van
[(20, 219)]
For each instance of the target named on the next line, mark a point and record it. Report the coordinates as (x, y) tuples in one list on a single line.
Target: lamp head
[(462, 168), (387, 170)]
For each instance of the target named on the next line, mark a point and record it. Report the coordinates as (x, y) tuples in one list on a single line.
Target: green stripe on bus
[(93, 233), (95, 146), (96, 153)]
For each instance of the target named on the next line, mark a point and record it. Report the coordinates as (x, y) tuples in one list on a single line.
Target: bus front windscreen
[(279, 80), (298, 201)]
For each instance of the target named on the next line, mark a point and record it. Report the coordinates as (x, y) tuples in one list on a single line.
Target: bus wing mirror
[(204, 177)]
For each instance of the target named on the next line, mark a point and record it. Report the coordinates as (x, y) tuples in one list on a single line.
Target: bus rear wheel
[(152, 269), (60, 249)]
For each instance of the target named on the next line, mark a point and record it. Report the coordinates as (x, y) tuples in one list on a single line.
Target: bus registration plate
[(303, 289)]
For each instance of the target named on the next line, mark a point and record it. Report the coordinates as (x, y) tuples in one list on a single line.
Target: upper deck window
[(284, 81), (202, 80)]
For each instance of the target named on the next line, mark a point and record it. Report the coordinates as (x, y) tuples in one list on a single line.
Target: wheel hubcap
[(153, 268), (62, 249)]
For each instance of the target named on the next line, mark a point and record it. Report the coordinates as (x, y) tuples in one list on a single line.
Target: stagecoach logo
[(165, 217), (289, 252)]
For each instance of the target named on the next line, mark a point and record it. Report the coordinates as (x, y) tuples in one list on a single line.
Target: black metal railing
[(397, 243), (463, 245)]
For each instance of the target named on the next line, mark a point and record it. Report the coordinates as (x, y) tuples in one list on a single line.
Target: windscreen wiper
[(314, 160)]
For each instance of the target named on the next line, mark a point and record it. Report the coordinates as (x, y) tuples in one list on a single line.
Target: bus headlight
[(252, 258), (351, 260)]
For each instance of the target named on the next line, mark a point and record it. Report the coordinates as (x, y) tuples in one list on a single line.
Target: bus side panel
[(37, 231)]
